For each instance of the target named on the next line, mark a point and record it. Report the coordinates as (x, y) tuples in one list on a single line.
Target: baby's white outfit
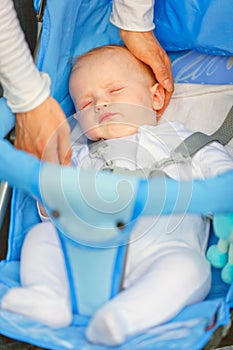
[(166, 268)]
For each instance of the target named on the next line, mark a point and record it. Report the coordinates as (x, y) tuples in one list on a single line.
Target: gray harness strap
[(182, 153), (99, 149), (198, 140)]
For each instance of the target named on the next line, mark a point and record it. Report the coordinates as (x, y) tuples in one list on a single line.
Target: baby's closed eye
[(84, 104), (115, 89)]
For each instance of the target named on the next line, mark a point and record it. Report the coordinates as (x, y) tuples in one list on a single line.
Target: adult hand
[(146, 47), (44, 132)]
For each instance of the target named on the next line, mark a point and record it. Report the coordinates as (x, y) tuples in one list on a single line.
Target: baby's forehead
[(103, 56)]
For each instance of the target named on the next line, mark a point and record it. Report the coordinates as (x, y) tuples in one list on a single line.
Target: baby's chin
[(112, 131)]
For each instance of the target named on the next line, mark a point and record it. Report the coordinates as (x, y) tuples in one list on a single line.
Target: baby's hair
[(77, 60)]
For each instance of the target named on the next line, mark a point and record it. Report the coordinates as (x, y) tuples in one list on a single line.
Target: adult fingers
[(161, 67), (64, 146), (44, 132)]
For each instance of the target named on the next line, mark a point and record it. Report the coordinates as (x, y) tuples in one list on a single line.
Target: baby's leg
[(172, 280), (44, 295)]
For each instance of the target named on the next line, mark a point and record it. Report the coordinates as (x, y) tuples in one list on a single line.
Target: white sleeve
[(24, 86), (133, 15), (214, 160)]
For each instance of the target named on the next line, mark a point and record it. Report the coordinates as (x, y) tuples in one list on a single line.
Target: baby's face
[(112, 96)]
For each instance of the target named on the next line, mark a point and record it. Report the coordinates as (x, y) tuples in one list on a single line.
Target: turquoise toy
[(220, 255)]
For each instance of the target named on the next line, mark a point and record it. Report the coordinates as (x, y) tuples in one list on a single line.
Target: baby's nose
[(101, 106)]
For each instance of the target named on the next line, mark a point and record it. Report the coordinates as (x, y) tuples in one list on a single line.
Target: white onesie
[(166, 267)]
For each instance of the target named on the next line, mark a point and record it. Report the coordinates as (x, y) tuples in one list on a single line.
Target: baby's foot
[(105, 328), (39, 304)]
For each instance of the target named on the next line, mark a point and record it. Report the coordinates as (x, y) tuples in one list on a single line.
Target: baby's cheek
[(86, 123), (93, 134)]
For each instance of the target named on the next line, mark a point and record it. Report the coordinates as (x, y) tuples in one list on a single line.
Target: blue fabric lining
[(200, 25), (188, 328), (69, 31)]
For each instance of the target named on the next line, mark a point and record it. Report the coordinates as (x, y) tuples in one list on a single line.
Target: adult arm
[(39, 118), (134, 18)]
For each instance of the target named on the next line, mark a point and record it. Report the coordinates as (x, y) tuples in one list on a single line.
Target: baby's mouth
[(105, 116)]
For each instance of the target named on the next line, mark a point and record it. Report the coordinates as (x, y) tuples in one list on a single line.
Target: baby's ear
[(158, 96)]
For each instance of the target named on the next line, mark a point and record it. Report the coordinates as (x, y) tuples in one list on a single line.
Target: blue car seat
[(61, 40)]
